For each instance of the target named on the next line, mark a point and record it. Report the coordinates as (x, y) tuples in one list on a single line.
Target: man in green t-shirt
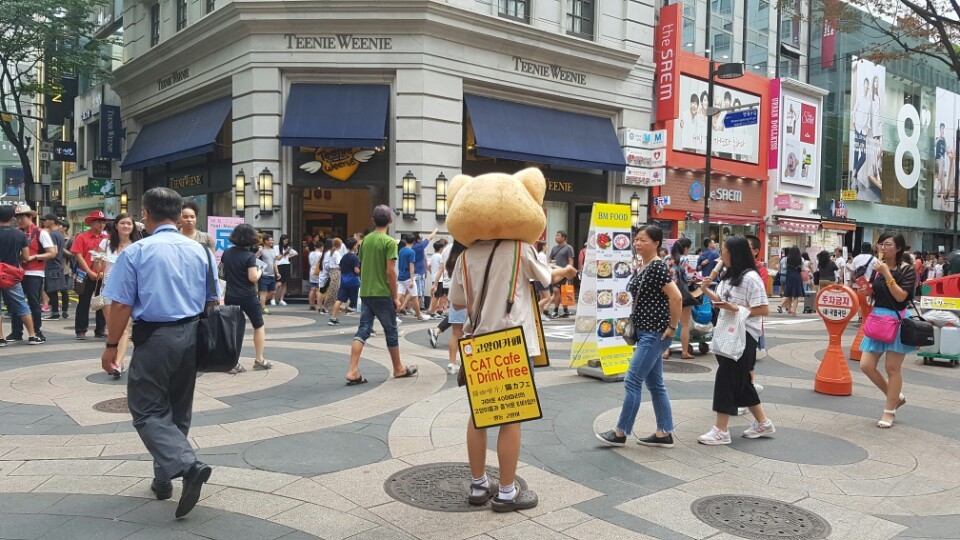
[(378, 292)]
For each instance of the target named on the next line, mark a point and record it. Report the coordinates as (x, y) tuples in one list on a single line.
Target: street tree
[(41, 41), (914, 30)]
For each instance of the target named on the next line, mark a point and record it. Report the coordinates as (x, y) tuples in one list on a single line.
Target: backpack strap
[(475, 319)]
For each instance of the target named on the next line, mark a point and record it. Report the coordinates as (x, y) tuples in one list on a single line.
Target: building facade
[(330, 108)]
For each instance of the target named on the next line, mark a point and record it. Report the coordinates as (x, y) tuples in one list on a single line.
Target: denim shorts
[(15, 301), (457, 316), (384, 310), (420, 280)]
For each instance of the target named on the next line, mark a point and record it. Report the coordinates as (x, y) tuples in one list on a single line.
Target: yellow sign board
[(541, 360), (605, 304), (937, 302), (499, 378), (848, 195)]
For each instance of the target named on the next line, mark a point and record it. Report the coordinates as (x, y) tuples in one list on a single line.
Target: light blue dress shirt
[(164, 277)]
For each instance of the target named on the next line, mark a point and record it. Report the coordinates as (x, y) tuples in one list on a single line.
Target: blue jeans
[(383, 308), (646, 365)]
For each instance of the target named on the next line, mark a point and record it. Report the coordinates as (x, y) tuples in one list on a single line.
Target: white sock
[(508, 493), (479, 486)]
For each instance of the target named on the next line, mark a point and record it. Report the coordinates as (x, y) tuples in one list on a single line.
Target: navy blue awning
[(508, 130), (335, 115), (190, 133)]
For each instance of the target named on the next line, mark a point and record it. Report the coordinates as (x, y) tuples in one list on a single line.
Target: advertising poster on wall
[(794, 152), (944, 149), (739, 143), (220, 228), (868, 87), (605, 304)]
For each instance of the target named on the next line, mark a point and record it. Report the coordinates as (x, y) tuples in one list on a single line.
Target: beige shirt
[(502, 272)]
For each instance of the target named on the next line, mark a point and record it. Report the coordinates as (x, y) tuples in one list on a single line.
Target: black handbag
[(916, 331), (219, 333)]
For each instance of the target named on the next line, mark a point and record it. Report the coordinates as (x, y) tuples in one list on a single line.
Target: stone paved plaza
[(297, 454)]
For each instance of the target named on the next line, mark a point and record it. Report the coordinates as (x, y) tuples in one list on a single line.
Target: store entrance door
[(327, 225), (581, 227)]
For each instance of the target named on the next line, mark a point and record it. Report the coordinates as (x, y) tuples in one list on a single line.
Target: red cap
[(94, 216)]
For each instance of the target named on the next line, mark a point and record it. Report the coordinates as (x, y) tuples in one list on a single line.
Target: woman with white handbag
[(742, 299)]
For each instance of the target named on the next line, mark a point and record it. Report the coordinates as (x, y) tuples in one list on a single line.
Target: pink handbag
[(882, 328)]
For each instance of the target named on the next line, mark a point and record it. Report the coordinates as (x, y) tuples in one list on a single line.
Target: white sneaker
[(714, 437), (399, 321), (273, 302), (282, 303), (758, 387), (757, 430), (742, 411), (425, 317), (453, 369)]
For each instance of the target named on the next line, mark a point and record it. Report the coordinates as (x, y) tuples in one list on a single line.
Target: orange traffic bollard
[(836, 305), (865, 309)]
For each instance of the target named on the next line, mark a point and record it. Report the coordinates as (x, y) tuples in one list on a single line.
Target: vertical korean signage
[(605, 305), (220, 228), (666, 55), (646, 155), (110, 132)]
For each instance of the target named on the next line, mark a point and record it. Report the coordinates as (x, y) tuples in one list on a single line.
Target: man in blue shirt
[(708, 258), (164, 282), (406, 263), (419, 246)]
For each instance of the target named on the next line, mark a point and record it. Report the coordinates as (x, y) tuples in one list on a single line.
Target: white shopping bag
[(730, 334)]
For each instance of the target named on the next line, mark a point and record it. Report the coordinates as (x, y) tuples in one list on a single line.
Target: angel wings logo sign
[(339, 163)]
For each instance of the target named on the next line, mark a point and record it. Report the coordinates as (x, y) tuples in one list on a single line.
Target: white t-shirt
[(109, 257), (286, 259), (46, 242), (749, 294), (314, 258), (841, 268), (937, 270), (858, 262), (434, 263)]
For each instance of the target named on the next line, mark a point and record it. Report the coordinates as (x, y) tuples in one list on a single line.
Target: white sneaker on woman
[(714, 437)]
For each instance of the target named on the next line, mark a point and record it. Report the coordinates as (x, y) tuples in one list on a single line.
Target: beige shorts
[(407, 287)]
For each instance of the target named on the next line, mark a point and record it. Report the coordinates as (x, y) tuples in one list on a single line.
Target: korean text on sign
[(499, 378)]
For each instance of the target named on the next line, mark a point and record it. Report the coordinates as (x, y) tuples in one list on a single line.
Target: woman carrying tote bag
[(740, 288), (894, 280)]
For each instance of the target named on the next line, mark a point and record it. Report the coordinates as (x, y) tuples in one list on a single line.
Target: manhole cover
[(759, 519), (118, 405), (439, 486), (684, 367)]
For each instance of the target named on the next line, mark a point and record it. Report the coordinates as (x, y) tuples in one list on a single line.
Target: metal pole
[(956, 184), (708, 166)]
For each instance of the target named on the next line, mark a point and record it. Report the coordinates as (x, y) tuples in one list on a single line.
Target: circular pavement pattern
[(327, 453), (683, 367), (806, 446), (438, 486), (117, 405), (758, 518)]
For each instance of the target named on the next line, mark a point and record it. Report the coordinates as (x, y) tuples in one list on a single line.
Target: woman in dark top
[(242, 274), (893, 279), (826, 270), (792, 282), (349, 280), (683, 274), (656, 312)]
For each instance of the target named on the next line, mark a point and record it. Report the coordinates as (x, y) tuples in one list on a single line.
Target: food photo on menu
[(604, 299), (606, 328), (604, 269), (621, 241)]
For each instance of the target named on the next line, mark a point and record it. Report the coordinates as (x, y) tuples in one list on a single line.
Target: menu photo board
[(605, 305)]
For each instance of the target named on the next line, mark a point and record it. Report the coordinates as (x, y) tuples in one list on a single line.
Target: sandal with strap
[(902, 402), (884, 424), (492, 489)]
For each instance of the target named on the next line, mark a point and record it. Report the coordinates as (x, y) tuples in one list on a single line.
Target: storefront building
[(887, 165), (738, 185), (340, 114)]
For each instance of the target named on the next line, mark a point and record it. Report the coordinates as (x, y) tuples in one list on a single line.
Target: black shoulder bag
[(915, 331), (220, 331), (475, 317)]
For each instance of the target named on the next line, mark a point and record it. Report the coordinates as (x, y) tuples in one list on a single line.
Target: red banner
[(808, 124), (666, 55), (828, 41)]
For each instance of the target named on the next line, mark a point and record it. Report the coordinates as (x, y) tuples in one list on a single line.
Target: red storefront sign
[(666, 55)]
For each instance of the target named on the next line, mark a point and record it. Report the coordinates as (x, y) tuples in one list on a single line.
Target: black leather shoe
[(163, 490), (193, 480)]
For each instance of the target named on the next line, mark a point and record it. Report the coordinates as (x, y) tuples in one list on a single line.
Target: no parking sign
[(836, 305)]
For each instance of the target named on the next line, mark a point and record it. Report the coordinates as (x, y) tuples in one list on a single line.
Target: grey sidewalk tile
[(161, 514), (299, 535), (603, 508), (384, 532), (28, 503), (82, 528), (235, 526), (26, 429), (941, 527), (99, 506), (29, 526), (157, 533)]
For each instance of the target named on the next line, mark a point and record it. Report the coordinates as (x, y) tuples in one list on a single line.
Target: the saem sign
[(666, 56)]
